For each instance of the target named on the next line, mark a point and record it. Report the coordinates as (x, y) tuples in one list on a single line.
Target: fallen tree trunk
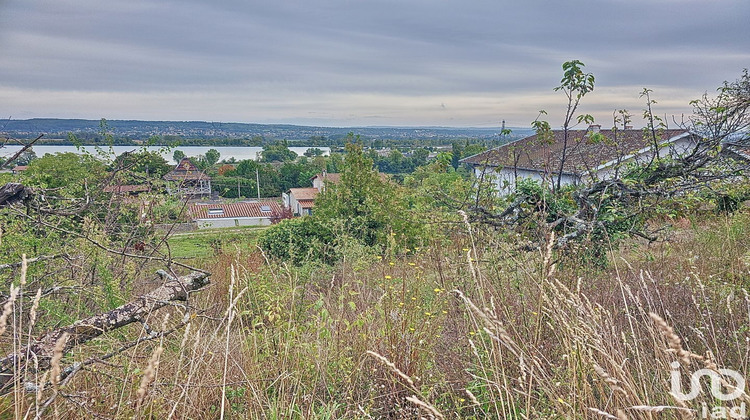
[(87, 329), (13, 192)]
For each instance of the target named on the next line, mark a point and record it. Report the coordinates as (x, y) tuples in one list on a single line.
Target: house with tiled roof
[(319, 180), (19, 168), (243, 213), (302, 200), (187, 180), (592, 154)]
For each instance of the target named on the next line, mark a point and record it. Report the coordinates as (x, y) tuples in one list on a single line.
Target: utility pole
[(257, 181), (238, 187)]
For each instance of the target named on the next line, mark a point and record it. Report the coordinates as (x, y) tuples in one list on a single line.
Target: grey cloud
[(280, 51)]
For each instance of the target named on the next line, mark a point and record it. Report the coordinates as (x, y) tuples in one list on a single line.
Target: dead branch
[(80, 332), (20, 152), (32, 260)]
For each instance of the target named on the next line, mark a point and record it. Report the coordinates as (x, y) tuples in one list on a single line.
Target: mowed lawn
[(207, 243)]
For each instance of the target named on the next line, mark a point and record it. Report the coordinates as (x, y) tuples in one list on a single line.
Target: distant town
[(68, 131)]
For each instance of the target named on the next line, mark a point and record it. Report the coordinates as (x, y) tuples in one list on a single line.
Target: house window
[(265, 209), (215, 211)]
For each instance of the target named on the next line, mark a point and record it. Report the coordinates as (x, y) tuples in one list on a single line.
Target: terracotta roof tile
[(306, 204), (328, 177), (235, 210), (304, 193), (184, 171)]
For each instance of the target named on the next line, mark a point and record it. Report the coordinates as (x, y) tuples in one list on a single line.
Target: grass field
[(206, 243)]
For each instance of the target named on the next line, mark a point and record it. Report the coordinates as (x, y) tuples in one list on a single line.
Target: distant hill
[(201, 132)]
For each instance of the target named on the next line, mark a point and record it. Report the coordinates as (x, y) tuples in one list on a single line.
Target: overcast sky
[(361, 63)]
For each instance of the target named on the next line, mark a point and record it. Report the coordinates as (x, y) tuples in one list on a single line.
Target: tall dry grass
[(466, 328)]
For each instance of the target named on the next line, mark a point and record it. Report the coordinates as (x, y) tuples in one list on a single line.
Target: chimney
[(595, 127)]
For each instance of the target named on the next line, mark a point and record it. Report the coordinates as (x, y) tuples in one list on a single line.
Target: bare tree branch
[(80, 332), (32, 260), (20, 152)]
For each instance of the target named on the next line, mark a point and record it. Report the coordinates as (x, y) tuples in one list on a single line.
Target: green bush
[(298, 240)]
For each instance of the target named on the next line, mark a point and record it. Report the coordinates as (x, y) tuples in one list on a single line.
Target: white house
[(244, 213), (302, 200), (592, 154), (322, 178)]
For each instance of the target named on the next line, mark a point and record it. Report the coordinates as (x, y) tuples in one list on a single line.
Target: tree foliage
[(277, 152), (143, 162), (67, 172), (363, 206)]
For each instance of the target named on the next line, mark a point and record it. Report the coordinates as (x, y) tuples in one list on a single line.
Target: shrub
[(298, 240)]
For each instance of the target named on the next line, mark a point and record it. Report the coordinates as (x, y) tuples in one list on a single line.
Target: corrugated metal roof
[(235, 210)]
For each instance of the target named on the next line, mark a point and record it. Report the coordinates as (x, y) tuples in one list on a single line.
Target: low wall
[(176, 227), (234, 222)]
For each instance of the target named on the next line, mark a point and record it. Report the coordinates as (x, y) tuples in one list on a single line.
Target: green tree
[(246, 177), (473, 149), (26, 157), (334, 163), (575, 84), (299, 240), (420, 155), (256, 141), (212, 156), (313, 151), (143, 162), (69, 172), (456, 154), (178, 155), (365, 206), (277, 152)]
